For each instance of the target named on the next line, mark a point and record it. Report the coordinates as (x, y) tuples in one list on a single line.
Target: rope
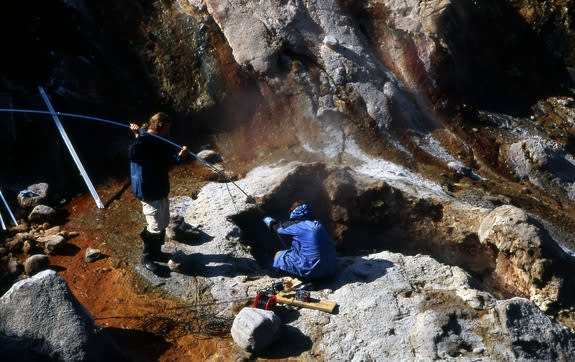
[(196, 319), (250, 199)]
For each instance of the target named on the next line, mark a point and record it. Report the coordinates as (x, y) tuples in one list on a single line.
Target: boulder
[(33, 196), (528, 258), (43, 314), (255, 329)]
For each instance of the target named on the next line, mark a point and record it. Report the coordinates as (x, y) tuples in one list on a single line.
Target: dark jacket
[(150, 160)]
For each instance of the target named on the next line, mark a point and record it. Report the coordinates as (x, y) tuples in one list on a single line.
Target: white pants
[(157, 214)]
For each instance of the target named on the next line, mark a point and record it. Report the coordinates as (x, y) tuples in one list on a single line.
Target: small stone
[(52, 231), (177, 262), (210, 156), (330, 41), (21, 228), (92, 255), (42, 213), (27, 246), (14, 268), (14, 245), (51, 243), (36, 263)]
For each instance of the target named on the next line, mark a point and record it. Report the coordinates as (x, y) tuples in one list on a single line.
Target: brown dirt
[(146, 326)]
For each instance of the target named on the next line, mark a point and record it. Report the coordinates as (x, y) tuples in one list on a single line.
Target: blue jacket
[(150, 159), (312, 253)]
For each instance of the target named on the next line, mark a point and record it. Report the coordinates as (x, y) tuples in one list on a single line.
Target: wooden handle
[(323, 305)]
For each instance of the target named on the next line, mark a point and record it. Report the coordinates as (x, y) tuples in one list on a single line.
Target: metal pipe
[(71, 149), (8, 208), (2, 222)]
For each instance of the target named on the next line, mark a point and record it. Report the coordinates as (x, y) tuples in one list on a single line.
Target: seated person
[(312, 253)]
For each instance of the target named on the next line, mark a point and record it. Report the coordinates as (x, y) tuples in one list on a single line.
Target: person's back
[(312, 253)]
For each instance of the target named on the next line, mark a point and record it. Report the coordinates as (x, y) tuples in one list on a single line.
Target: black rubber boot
[(147, 250), (156, 251)]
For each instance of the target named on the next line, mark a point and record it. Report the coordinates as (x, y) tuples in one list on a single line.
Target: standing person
[(150, 159), (312, 253)]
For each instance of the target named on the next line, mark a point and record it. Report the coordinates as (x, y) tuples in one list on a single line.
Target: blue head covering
[(302, 212)]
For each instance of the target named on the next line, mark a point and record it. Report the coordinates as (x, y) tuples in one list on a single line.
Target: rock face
[(402, 138), (390, 305), (42, 313)]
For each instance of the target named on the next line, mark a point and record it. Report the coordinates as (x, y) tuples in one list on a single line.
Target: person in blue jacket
[(150, 159), (312, 253)]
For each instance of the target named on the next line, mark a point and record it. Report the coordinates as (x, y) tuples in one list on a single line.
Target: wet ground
[(148, 326)]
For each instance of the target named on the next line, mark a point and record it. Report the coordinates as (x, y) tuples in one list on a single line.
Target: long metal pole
[(8, 208), (2, 222), (71, 149)]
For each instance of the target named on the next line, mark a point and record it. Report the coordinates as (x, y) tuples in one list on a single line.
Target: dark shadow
[(16, 349), (193, 238), (286, 314), (61, 217), (101, 257), (224, 265), (356, 269), (291, 343), (68, 249), (162, 272), (496, 61), (119, 194), (57, 268), (139, 345)]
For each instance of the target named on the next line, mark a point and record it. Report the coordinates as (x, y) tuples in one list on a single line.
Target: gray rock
[(33, 196), (36, 263), (92, 255), (51, 243), (42, 213), (210, 156), (533, 336), (255, 329), (390, 306), (545, 164), (45, 316)]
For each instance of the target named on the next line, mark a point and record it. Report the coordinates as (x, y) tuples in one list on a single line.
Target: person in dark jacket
[(150, 159), (312, 253)]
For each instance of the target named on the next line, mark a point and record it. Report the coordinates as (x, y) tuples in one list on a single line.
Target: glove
[(268, 220)]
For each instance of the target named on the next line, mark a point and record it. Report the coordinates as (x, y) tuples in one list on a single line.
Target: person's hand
[(183, 151), (135, 129), (268, 220)]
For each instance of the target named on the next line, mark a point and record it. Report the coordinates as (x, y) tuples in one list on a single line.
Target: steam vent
[(433, 143)]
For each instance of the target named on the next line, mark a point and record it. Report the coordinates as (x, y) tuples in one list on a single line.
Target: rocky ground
[(429, 309), (434, 139)]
